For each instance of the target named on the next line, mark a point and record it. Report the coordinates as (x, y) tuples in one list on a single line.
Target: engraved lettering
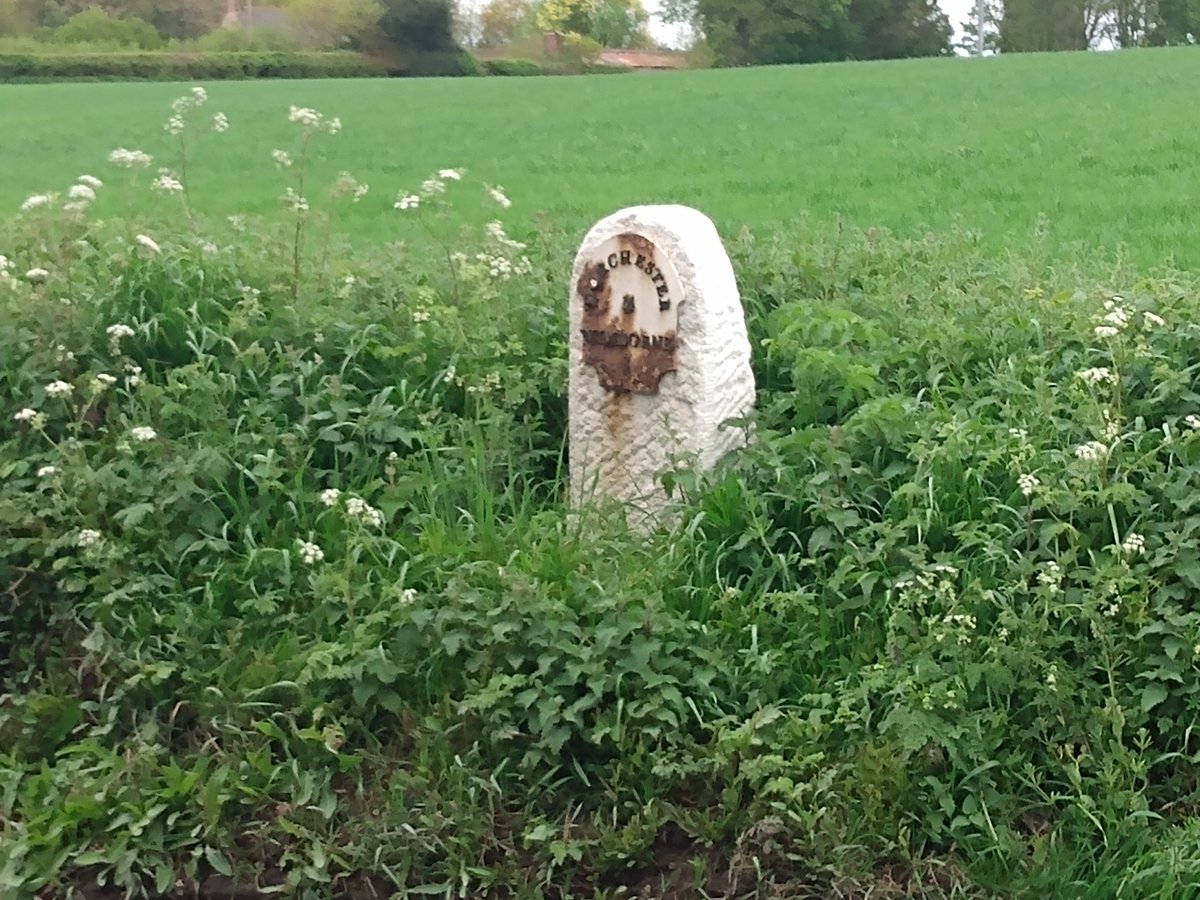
[(626, 257), (641, 262), (612, 260), (635, 340)]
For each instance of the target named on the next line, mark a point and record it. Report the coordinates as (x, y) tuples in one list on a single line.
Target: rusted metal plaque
[(630, 296)]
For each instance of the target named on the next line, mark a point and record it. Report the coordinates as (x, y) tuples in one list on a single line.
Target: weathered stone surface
[(659, 357)]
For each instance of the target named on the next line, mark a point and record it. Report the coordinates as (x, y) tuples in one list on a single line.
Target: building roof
[(642, 59)]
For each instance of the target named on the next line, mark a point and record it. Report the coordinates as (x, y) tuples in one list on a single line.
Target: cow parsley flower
[(358, 508), (220, 123), (25, 415), (36, 201), (37, 274), (432, 186), (1050, 577), (82, 192), (282, 158), (130, 159), (408, 596), (497, 194), (407, 201), (1150, 320), (143, 433), (302, 115), (450, 174), (1133, 544), (58, 389), (1028, 484), (47, 471), (91, 181), (330, 497), (167, 182), (1192, 421), (88, 537), (298, 203), (174, 126), (1098, 375), (1104, 332), (310, 554), (1091, 451), (102, 381)]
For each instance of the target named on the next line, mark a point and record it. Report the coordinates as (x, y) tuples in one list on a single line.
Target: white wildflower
[(47, 471), (408, 596), (359, 509), (1150, 320), (143, 433), (1133, 544), (334, 125), (58, 389), (330, 496), (1117, 317), (298, 203), (450, 174), (199, 94), (407, 201), (1192, 421), (102, 381), (88, 537), (36, 201), (310, 553), (220, 123), (1028, 484), (282, 158), (1051, 577), (497, 194), (91, 181), (1052, 678), (130, 159), (147, 243), (309, 118), (25, 415), (1098, 375), (167, 183), (432, 186), (1091, 451), (174, 126), (37, 274), (1104, 332), (82, 192), (360, 192)]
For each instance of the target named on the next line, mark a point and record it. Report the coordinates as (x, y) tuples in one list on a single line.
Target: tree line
[(1016, 26)]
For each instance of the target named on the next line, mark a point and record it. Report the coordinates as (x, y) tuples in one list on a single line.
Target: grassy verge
[(289, 599)]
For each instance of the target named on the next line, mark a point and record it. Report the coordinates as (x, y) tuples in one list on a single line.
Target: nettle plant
[(209, 425)]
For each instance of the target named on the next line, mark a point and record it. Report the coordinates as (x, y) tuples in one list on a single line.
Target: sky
[(957, 10)]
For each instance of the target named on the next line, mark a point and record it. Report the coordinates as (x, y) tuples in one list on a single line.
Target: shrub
[(183, 66), (516, 67), (94, 25)]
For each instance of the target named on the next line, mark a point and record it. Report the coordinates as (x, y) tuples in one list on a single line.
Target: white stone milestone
[(659, 358)]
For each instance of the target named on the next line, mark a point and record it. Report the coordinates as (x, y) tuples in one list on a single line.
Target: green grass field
[(1105, 147)]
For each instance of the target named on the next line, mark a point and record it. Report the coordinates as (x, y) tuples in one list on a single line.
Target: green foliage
[(183, 66), (288, 592), (1042, 25), (94, 25), (806, 31), (511, 67), (425, 26)]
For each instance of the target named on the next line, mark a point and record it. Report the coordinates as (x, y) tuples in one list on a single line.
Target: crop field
[(1099, 151), (291, 603)]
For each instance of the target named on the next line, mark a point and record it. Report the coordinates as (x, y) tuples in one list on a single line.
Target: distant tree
[(419, 25), (94, 25), (896, 29), (1176, 22), (503, 21), (335, 23), (1043, 25), (15, 20), (969, 43), (612, 23), (765, 32)]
